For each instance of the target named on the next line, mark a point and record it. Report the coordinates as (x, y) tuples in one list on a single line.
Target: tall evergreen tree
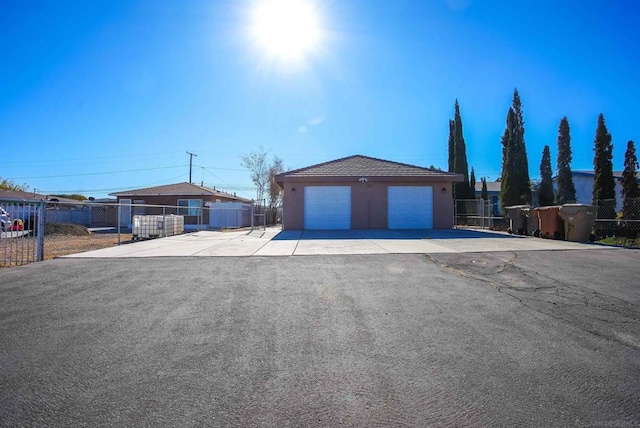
[(566, 189), (458, 156), (515, 186), (506, 190), (452, 147), (630, 189), (545, 197), (604, 185), (485, 193), (472, 182)]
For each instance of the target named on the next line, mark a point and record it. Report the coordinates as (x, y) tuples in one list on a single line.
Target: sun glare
[(286, 29)]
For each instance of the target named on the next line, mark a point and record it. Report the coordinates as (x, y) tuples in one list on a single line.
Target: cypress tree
[(452, 149), (630, 189), (604, 184), (506, 190), (515, 187), (472, 182), (485, 192), (566, 189), (521, 162), (460, 165), (545, 197)]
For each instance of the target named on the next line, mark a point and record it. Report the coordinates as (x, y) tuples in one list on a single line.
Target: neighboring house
[(493, 192), (189, 198), (360, 192), (583, 182), (33, 196), (58, 210)]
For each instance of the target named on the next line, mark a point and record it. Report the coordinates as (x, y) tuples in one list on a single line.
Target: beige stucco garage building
[(360, 192)]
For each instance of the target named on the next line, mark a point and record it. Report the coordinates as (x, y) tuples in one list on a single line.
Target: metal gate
[(475, 213), (22, 232)]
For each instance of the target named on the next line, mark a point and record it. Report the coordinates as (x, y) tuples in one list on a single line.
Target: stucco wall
[(368, 202), (584, 190)]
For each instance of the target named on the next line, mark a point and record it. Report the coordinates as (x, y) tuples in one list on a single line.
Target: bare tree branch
[(256, 162)]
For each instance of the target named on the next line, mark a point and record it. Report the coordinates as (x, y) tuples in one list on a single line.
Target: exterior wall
[(104, 216), (584, 190), (368, 202)]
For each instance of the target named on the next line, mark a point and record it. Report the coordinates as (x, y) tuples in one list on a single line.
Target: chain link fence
[(478, 213), (611, 220), (35, 230), (619, 221)]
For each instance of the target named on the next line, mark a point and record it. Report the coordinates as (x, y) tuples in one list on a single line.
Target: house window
[(189, 206)]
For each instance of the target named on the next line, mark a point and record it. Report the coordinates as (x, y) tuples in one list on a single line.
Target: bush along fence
[(36, 230)]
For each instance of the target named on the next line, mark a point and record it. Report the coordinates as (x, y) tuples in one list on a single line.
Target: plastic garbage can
[(533, 222), (551, 224), (517, 219), (578, 221)]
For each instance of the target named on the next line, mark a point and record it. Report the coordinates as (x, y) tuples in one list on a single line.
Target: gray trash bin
[(578, 221), (532, 220), (517, 218)]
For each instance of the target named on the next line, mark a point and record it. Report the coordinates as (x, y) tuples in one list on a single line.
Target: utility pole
[(191, 155)]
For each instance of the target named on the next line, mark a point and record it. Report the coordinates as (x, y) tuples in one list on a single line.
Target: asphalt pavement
[(523, 338)]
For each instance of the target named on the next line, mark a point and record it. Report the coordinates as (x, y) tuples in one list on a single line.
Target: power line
[(221, 169), (82, 160), (98, 173), (224, 182), (141, 186)]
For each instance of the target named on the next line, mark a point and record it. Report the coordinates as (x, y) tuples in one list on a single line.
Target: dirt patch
[(15, 252), (61, 245), (68, 229)]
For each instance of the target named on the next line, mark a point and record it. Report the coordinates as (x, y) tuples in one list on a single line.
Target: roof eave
[(455, 178)]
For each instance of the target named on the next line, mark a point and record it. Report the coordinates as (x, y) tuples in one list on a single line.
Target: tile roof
[(178, 189), (358, 165), (19, 194)]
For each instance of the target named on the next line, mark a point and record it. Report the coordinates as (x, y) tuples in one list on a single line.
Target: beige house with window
[(181, 198)]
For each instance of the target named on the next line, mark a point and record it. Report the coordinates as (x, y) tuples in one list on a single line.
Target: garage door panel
[(327, 207), (410, 207)]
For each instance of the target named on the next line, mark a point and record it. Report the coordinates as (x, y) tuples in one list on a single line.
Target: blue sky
[(101, 96)]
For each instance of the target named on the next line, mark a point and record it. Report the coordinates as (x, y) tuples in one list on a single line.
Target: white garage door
[(327, 207), (410, 207)]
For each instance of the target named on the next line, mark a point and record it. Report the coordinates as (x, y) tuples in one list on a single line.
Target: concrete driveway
[(276, 242)]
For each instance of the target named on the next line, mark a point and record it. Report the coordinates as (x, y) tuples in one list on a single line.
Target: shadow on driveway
[(289, 235)]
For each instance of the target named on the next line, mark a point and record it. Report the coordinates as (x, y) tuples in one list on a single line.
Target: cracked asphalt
[(539, 338)]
